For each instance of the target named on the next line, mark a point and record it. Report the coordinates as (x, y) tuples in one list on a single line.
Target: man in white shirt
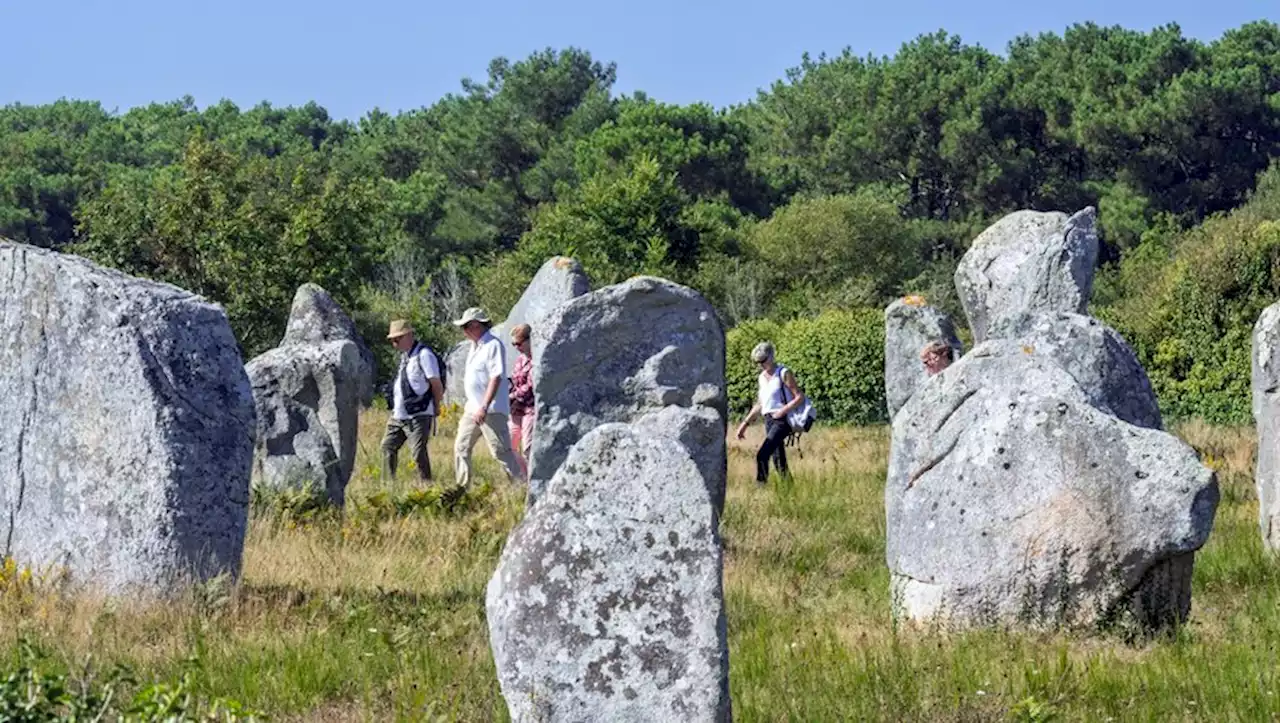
[(416, 394), (488, 405)]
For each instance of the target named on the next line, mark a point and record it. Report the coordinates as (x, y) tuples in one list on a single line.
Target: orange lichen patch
[(914, 300), (563, 262), (1028, 349)]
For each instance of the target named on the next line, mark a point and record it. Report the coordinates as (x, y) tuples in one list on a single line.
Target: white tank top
[(770, 394)]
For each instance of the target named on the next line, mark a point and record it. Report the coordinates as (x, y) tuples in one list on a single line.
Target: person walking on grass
[(488, 399), (416, 395), (522, 397), (777, 397)]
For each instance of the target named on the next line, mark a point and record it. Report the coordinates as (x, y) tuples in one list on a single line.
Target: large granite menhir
[(1266, 416), (317, 319), (608, 602), (1027, 263), (1015, 497), (126, 432), (625, 353)]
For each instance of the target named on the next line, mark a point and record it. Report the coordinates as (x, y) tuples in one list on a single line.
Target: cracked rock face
[(1266, 416), (910, 324), (1014, 499), (307, 400), (1027, 263), (317, 319), (126, 432), (607, 604), (623, 354)]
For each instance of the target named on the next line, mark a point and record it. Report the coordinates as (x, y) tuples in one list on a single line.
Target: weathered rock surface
[(1266, 416), (126, 431), (307, 399), (559, 280), (455, 391), (909, 325), (620, 354), (1099, 360), (607, 604), (1027, 263), (1012, 499), (317, 319)]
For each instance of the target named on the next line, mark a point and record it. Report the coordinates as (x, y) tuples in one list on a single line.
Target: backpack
[(416, 404), (801, 419)]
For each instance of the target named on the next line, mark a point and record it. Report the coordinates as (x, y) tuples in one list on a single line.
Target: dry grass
[(380, 616)]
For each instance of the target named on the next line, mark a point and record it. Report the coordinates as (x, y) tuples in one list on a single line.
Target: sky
[(399, 54)]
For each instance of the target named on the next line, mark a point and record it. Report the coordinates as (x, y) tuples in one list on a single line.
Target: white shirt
[(421, 370), (770, 394), (486, 360)]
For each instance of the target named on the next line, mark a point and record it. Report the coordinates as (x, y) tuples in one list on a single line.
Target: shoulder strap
[(782, 382)]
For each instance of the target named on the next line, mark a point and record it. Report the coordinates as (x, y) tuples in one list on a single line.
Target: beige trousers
[(496, 436)]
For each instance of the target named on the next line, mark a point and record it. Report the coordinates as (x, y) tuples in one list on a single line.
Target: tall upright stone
[(625, 353), (1027, 263), (316, 319), (126, 432), (909, 325), (558, 281), (307, 399), (1016, 498), (608, 601), (1266, 417)]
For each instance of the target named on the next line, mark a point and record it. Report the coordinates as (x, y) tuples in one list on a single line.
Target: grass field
[(378, 614)]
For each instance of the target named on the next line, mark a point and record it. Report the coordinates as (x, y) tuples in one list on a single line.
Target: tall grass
[(378, 614)]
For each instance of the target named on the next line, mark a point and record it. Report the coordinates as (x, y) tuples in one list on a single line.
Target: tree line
[(848, 182)]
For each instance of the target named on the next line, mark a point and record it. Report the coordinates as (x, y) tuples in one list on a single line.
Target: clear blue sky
[(399, 54)]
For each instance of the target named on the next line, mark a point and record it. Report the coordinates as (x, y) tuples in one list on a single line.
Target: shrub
[(1188, 304), (838, 358)]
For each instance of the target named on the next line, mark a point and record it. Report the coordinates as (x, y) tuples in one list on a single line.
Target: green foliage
[(837, 357), (1188, 304), (244, 233), (837, 252)]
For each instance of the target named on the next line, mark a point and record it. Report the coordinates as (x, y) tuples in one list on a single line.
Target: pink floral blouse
[(522, 386)]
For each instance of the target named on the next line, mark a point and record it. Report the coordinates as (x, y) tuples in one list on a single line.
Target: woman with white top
[(778, 396)]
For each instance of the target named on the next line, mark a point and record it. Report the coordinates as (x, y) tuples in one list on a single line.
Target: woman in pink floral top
[(521, 420)]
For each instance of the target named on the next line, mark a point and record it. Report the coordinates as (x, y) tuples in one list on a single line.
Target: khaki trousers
[(495, 435)]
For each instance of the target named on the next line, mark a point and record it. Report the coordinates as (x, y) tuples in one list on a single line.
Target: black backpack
[(416, 404)]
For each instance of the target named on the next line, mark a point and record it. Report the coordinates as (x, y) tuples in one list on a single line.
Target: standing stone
[(1027, 263), (1266, 416), (1099, 360), (455, 362), (317, 319), (308, 408), (909, 325), (1013, 500), (559, 280), (126, 432), (624, 353), (608, 603)]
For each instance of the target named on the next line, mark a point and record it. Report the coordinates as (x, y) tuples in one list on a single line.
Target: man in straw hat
[(416, 396), (488, 404)]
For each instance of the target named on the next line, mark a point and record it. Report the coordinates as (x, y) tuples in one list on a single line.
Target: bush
[(838, 359), (1188, 304)]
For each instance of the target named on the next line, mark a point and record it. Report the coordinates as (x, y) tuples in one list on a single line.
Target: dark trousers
[(416, 430), (775, 445)]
